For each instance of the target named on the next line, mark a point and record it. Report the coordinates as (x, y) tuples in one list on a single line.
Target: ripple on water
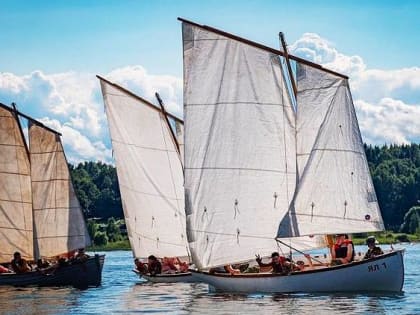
[(122, 292)]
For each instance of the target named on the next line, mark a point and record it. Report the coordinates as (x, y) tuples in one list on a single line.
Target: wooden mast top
[(289, 67), (139, 98), (263, 47), (29, 118), (165, 113)]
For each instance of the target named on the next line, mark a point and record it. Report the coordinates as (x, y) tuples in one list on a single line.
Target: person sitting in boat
[(373, 250), (225, 269), (168, 265), (232, 270), (154, 267), (173, 264), (278, 263), (42, 264), (19, 265), (300, 264), (81, 255), (140, 267), (3, 269), (343, 250), (181, 265)]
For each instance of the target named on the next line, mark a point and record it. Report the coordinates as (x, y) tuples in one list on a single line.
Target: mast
[(165, 114), (37, 122), (230, 83), (289, 67), (15, 188), (35, 244), (146, 102), (150, 174), (263, 47), (15, 113)]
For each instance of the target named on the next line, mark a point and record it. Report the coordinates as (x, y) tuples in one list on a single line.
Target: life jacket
[(341, 250)]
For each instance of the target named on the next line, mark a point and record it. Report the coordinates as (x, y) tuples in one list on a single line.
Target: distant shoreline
[(120, 245), (389, 238)]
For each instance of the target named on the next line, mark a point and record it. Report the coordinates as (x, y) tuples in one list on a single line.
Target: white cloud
[(79, 147), (387, 101), (69, 100), (72, 103), (317, 49), (390, 120), (137, 80)]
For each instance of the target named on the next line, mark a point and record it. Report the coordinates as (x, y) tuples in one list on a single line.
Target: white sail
[(239, 148), (149, 174), (335, 192), (59, 223), (15, 190), (179, 128)]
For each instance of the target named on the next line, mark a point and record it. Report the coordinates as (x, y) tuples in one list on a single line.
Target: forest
[(395, 171)]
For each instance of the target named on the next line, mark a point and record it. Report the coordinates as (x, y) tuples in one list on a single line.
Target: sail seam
[(46, 152), (338, 150), (14, 228), (51, 208), (14, 173), (150, 194), (236, 103), (320, 88), (234, 234), (237, 168), (208, 39), (143, 147), (12, 145), (61, 236), (51, 179), (160, 241), (19, 201), (333, 217)]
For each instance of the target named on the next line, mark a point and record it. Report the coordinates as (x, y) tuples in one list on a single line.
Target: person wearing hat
[(373, 250)]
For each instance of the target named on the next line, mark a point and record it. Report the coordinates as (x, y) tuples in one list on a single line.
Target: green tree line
[(395, 171)]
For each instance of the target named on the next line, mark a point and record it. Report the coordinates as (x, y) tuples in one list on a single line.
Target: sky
[(52, 50)]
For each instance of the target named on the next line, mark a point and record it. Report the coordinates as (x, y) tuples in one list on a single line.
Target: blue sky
[(98, 36), (51, 51)]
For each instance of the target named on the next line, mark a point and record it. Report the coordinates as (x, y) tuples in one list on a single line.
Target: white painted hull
[(185, 277), (384, 273)]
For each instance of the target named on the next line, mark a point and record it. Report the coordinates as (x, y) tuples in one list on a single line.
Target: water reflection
[(123, 293), (41, 301)]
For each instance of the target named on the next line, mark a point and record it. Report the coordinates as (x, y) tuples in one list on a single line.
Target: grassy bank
[(358, 239), (120, 245), (386, 237)]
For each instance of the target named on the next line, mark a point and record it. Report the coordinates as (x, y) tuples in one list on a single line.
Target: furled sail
[(239, 154), (149, 174), (335, 192), (59, 223), (15, 190)]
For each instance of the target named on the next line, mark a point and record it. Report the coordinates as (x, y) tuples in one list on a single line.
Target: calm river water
[(123, 292)]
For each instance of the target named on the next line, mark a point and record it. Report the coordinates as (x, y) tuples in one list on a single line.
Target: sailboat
[(269, 160), (150, 176), (40, 214)]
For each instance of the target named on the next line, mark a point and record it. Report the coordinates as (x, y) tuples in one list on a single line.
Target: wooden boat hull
[(82, 275), (383, 273), (185, 277)]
